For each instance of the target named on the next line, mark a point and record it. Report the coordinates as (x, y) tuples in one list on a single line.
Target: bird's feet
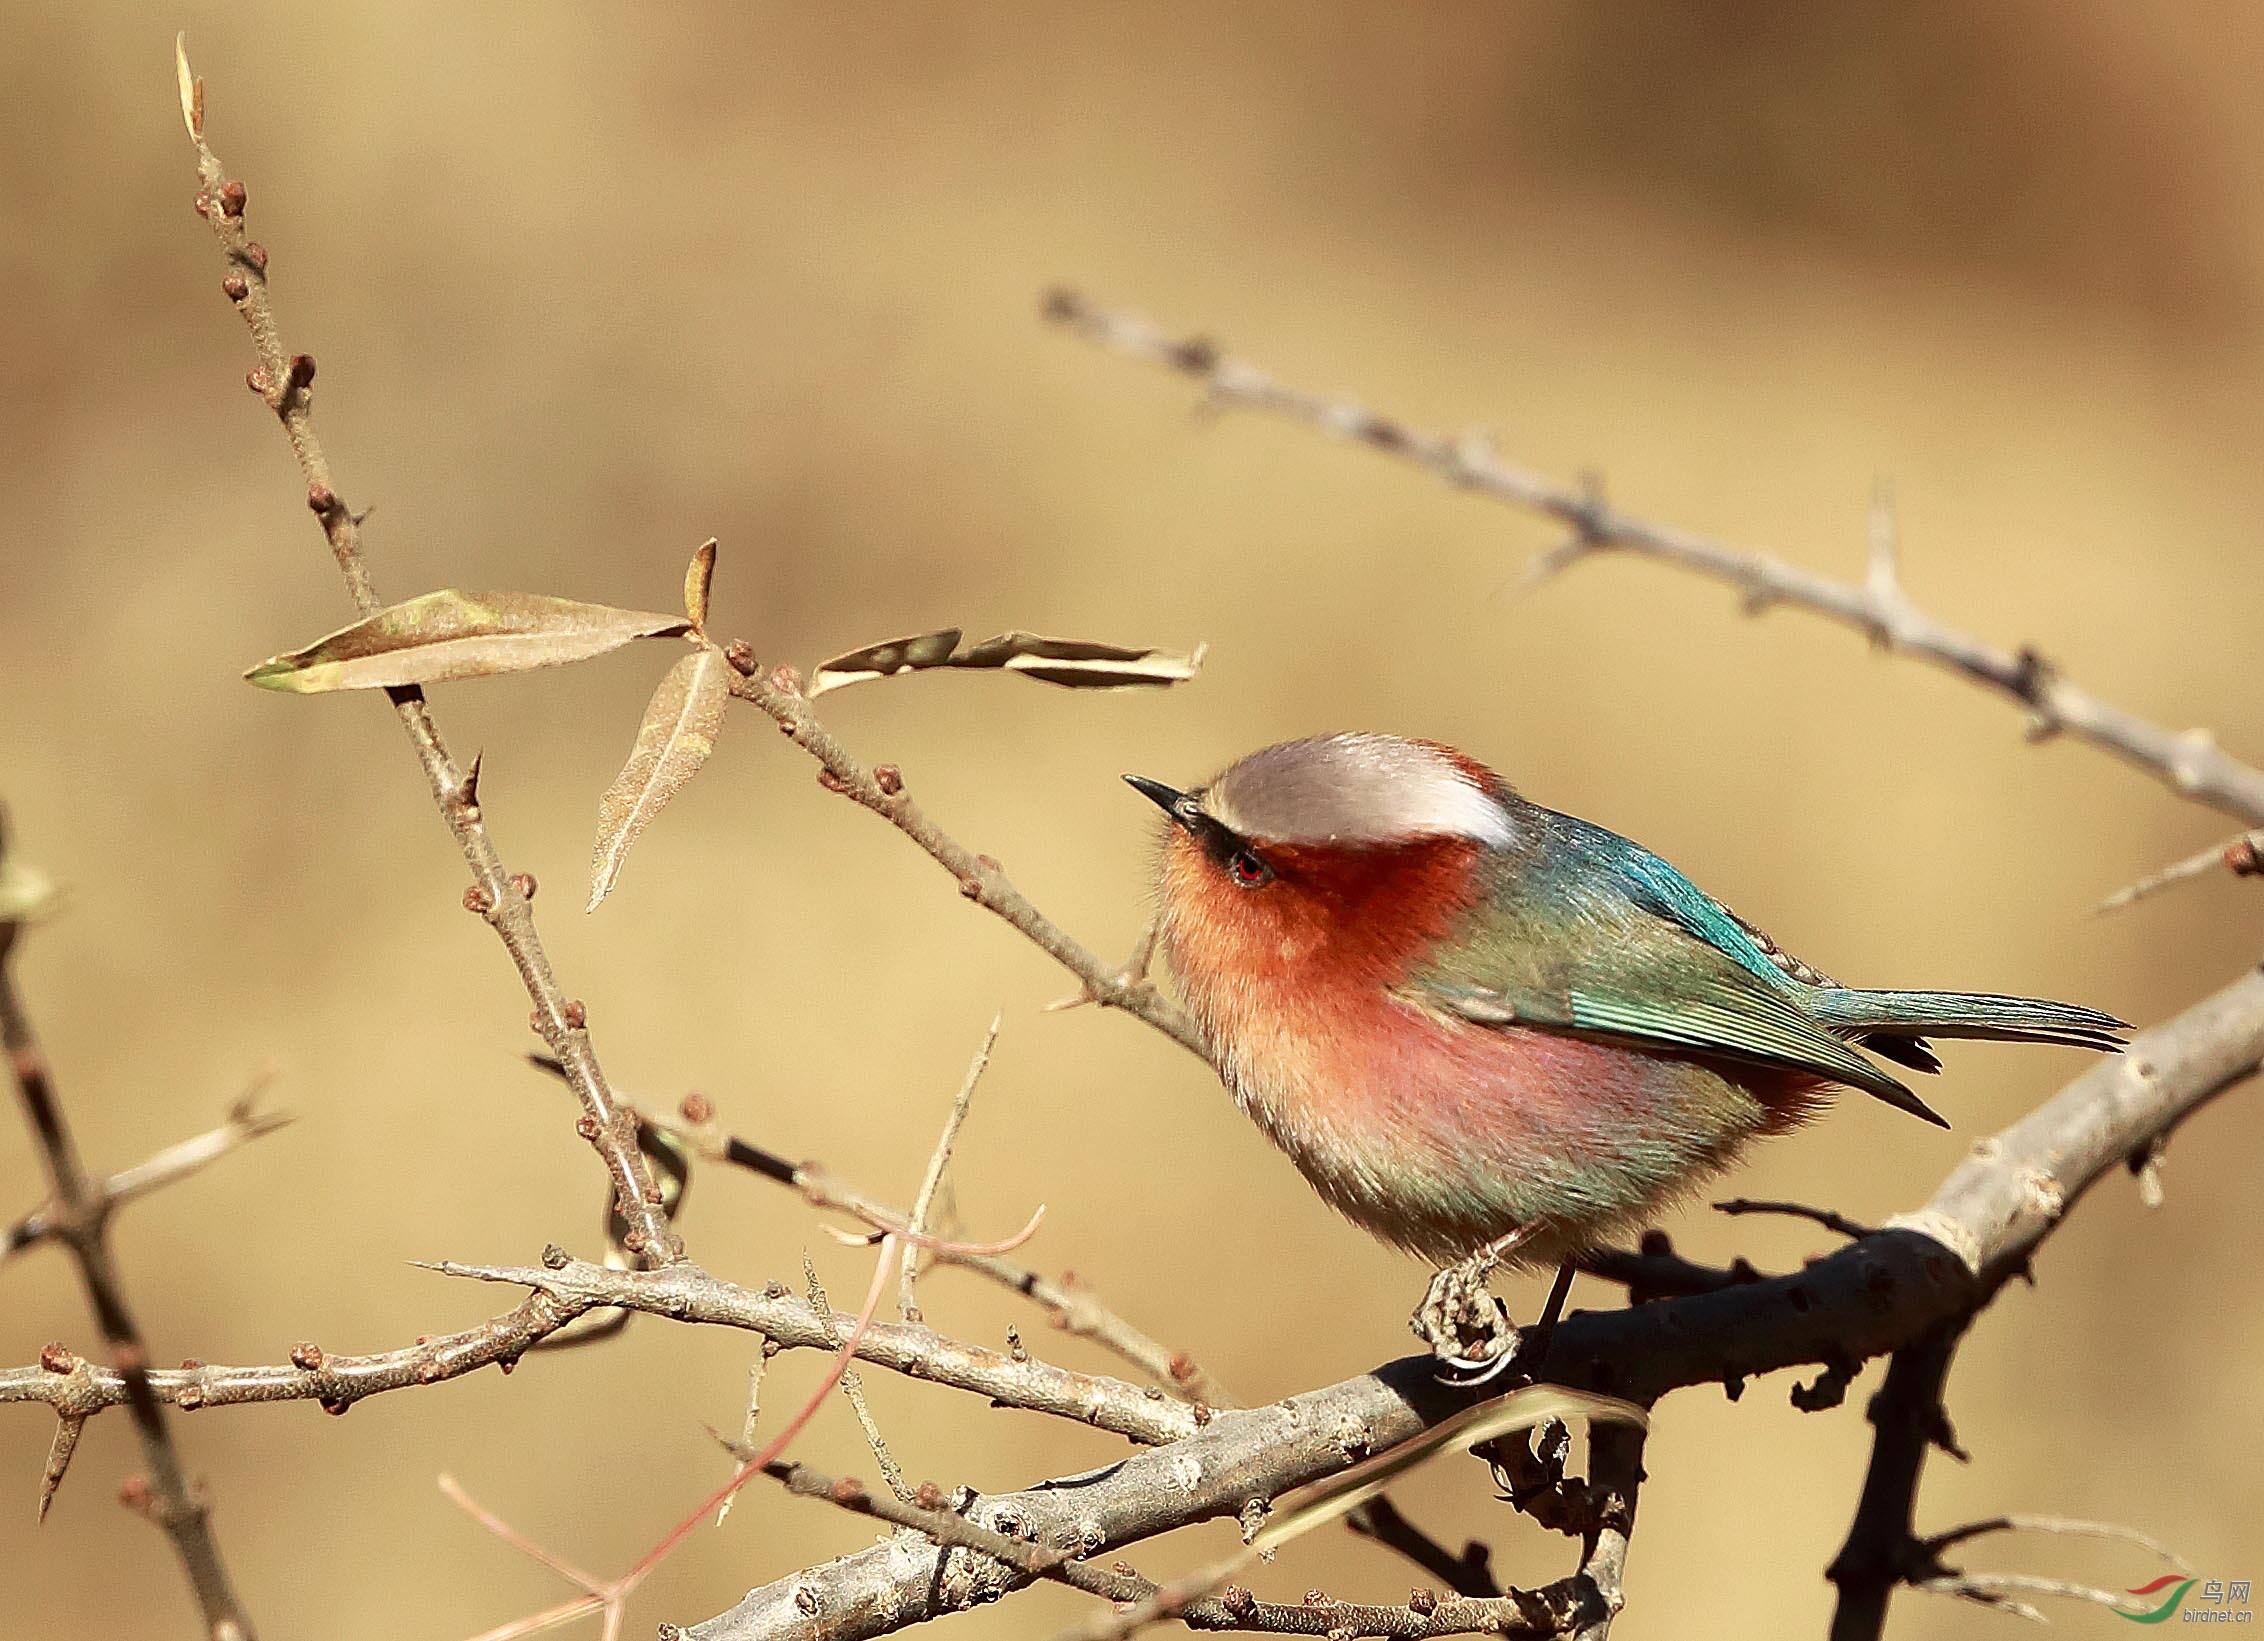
[(1467, 1328)]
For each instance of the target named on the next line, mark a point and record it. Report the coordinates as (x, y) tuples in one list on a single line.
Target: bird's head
[(1340, 857)]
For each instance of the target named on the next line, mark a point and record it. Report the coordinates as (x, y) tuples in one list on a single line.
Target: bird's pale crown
[(1357, 790)]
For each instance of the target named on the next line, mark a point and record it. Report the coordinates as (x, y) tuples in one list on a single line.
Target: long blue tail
[(1966, 1014)]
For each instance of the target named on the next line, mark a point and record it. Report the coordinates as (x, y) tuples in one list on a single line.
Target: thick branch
[(1872, 1297), (1908, 1421), (285, 383), (2189, 761)]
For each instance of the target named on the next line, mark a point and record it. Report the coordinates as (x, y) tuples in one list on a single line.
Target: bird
[(1497, 1036)]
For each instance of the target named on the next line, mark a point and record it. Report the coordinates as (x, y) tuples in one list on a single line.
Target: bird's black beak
[(1173, 802)]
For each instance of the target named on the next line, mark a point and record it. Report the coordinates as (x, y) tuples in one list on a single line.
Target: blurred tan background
[(589, 285)]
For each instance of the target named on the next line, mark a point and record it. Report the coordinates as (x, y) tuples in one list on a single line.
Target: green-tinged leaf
[(674, 740), (1074, 663), (699, 576), (1521, 1409), (453, 634), (27, 894)]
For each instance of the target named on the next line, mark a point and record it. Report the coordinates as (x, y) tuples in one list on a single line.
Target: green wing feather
[(1560, 946)]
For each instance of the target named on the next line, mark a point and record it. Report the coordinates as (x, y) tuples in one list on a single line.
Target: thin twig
[(980, 878), (853, 1388), (285, 384), (907, 1302), (1837, 1223), (2188, 761), (175, 1162), (80, 1220), (2241, 855), (2064, 1526)]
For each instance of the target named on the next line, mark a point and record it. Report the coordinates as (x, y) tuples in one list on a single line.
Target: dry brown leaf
[(1074, 663), (453, 634), (699, 576), (674, 740)]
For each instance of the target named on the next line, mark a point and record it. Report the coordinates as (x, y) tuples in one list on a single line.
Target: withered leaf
[(1074, 663), (674, 740), (699, 576), (455, 634)]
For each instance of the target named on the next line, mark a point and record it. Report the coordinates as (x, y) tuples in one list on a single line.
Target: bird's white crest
[(1358, 790)]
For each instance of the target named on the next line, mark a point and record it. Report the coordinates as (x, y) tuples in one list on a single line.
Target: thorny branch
[(1872, 1297), (2188, 761), (980, 878), (285, 384), (79, 1218), (245, 1123)]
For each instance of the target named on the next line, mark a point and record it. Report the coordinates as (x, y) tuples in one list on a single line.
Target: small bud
[(56, 1357), (321, 499), (476, 901), (697, 1108), (337, 1408), (988, 863), (189, 1364), (1238, 1601), (1202, 1413), (849, 1491), (308, 1356), (507, 1363), (972, 889), (889, 779), (1423, 1602), (652, 1193), (576, 1015), (1317, 1598), (831, 782), (928, 1496), (586, 1127), (555, 1258), (524, 882), (136, 1495), (232, 198), (634, 1241), (430, 1372), (256, 254), (189, 1398), (235, 287), (1182, 1368), (806, 1600), (534, 1020), (302, 371), (785, 680), (2243, 859), (204, 203), (741, 656), (257, 380)]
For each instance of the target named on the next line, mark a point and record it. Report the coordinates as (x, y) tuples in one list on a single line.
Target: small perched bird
[(1493, 1034)]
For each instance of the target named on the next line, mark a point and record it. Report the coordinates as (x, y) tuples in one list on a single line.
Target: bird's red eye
[(1248, 869)]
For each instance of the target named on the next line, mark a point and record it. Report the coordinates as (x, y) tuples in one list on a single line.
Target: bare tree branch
[(2188, 761), (245, 1124), (2242, 855), (285, 384), (882, 790), (1923, 1271), (80, 1220)]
